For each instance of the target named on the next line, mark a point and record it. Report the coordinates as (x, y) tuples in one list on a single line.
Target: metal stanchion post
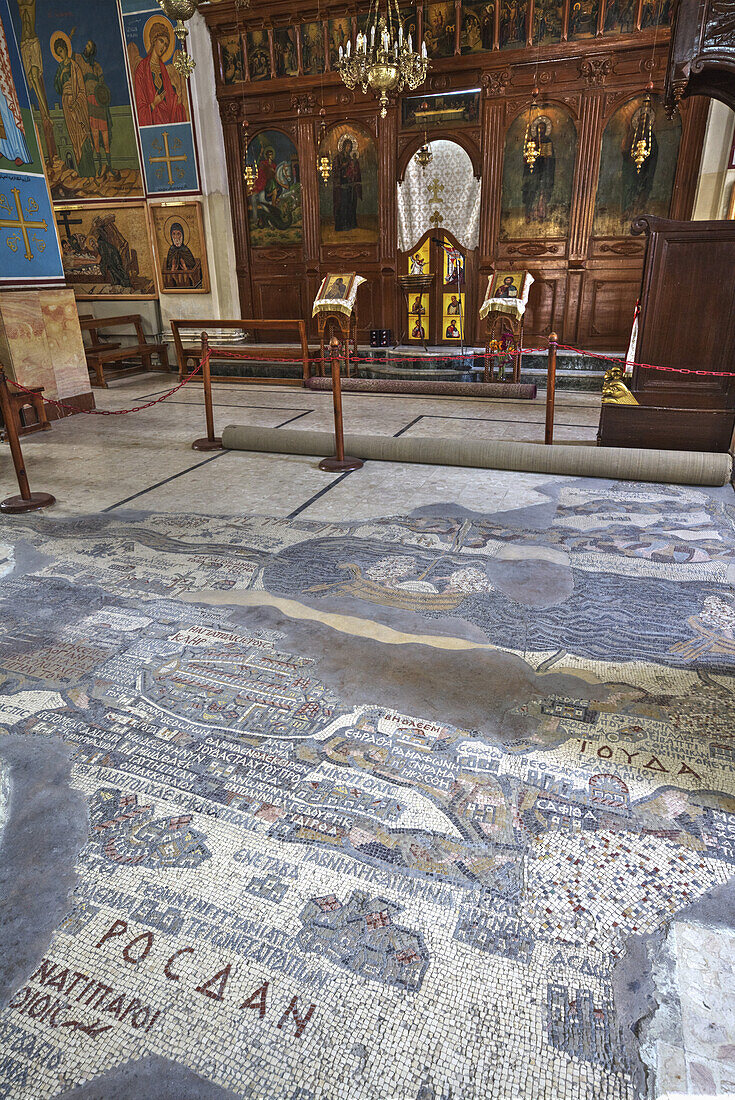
[(338, 464), (210, 442), (27, 501), (551, 388)]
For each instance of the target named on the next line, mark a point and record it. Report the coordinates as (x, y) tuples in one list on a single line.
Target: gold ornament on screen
[(179, 11)]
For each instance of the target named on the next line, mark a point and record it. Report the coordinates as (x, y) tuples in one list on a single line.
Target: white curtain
[(456, 197)]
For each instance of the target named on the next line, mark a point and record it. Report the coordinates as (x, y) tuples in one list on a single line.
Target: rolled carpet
[(672, 467), (509, 391)]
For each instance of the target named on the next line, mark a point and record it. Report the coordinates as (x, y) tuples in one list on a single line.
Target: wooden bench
[(20, 402), (101, 354)]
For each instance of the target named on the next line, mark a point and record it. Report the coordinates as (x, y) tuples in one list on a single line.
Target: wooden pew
[(101, 354)]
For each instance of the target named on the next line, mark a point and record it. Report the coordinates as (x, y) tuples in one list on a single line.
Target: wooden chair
[(101, 354)]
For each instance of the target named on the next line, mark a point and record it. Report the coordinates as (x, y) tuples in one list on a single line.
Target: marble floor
[(416, 783), (101, 463)]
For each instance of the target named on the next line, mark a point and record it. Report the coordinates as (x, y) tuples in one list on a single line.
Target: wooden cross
[(168, 158), (21, 224), (435, 188), (63, 219), (436, 220)]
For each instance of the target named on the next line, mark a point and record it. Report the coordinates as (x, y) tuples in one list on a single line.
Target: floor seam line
[(165, 481), (319, 495)]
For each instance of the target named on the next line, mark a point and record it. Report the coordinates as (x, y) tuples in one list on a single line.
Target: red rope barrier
[(118, 412), (620, 361)]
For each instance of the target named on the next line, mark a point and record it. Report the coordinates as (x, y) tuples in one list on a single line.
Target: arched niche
[(446, 195), (536, 202), (274, 207), (348, 201), (623, 192), (469, 146)]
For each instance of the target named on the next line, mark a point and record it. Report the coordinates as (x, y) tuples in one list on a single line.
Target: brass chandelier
[(178, 11), (382, 59)]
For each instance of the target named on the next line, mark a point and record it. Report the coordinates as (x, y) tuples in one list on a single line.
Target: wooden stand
[(31, 398), (551, 389), (26, 501), (346, 327), (210, 442), (339, 463), (499, 325)]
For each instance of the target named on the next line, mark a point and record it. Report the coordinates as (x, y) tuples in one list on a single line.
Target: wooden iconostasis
[(283, 106)]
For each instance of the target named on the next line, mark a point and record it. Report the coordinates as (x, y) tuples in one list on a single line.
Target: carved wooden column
[(388, 198), (493, 114), (594, 72), (230, 115), (310, 180), (587, 168)]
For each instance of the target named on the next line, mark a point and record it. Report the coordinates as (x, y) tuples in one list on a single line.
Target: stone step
[(574, 371)]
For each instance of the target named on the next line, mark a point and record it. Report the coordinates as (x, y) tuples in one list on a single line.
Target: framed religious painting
[(513, 16), (624, 189), (336, 287), (339, 34), (337, 293), (440, 28), (506, 284), (312, 49), (478, 26), (80, 97), (348, 204), (274, 206), (286, 50), (259, 55), (432, 112), (232, 58), (106, 251), (180, 248), (536, 201)]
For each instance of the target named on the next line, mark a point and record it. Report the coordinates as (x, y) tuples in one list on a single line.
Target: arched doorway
[(438, 235)]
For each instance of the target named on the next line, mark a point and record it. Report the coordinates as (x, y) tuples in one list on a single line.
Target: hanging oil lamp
[(323, 164), (424, 155), (248, 171), (531, 143), (642, 143)]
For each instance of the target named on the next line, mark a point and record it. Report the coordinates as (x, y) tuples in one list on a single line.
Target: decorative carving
[(623, 248), (345, 98), (533, 248), (614, 389), (595, 71), (229, 111), (303, 104), (277, 253), (720, 27), (546, 76), (701, 58), (440, 82), (347, 254), (495, 82)]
